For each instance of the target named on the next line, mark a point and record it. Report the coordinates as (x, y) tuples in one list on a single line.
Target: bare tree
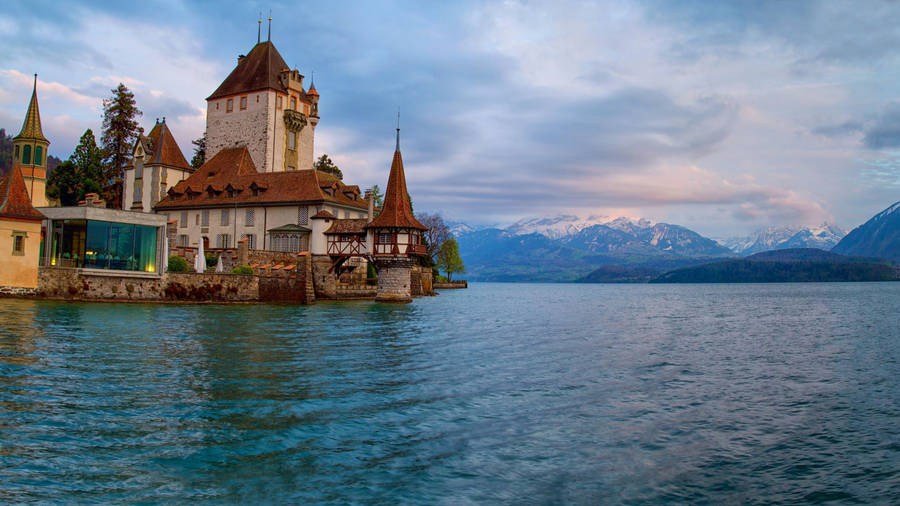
[(437, 232)]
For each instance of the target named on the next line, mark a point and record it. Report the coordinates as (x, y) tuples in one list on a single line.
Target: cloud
[(844, 129), (885, 131)]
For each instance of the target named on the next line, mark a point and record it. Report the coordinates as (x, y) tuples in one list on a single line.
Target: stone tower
[(396, 237), (30, 152), (262, 105)]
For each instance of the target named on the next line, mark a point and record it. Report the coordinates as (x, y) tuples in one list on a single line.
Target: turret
[(30, 152)]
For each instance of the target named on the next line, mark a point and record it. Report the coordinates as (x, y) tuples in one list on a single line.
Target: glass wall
[(104, 245)]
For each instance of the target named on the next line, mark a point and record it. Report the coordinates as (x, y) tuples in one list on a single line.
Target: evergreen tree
[(448, 259), (199, 157), (6, 152), (120, 130), (82, 173), (327, 166), (378, 197)]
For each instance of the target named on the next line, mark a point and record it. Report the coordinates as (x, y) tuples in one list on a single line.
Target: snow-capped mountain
[(565, 225), (824, 236)]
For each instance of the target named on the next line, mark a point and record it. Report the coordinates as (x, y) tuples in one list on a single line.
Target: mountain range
[(824, 236), (565, 247)]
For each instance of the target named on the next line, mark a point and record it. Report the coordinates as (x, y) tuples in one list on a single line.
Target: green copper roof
[(31, 128), (289, 228)]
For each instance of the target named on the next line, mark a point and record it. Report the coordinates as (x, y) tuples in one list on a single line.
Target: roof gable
[(260, 69), (234, 168), (163, 149), (14, 200)]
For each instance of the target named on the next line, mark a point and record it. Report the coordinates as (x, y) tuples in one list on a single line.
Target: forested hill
[(6, 155), (791, 265)]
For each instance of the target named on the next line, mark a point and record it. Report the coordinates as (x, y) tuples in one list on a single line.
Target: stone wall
[(394, 279), (76, 284)]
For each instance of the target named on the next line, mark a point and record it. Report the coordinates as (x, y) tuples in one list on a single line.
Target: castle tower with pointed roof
[(30, 152), (262, 105), (396, 237), (157, 164)]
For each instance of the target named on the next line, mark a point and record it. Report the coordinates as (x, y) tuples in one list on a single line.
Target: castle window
[(182, 241), (217, 106), (204, 218), (229, 105), (278, 102), (26, 154), (19, 243), (302, 215), (138, 191), (243, 103), (223, 241), (294, 103), (38, 155), (183, 219), (249, 218), (251, 240), (17, 152), (224, 220), (292, 140), (257, 99)]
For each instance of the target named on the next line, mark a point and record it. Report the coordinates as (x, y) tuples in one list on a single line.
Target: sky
[(724, 117)]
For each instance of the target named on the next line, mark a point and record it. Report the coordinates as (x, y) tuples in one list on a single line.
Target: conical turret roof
[(396, 211), (31, 128)]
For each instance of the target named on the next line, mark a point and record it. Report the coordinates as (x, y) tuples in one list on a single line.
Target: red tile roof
[(348, 226), (234, 167), (14, 200), (259, 70), (396, 212), (164, 149), (324, 214)]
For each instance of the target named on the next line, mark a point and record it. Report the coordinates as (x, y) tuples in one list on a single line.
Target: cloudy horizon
[(723, 117)]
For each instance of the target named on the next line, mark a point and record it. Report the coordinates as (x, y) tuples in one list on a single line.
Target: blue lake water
[(511, 393)]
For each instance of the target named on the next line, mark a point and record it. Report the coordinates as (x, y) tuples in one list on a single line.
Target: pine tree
[(199, 157), (120, 130), (82, 173)]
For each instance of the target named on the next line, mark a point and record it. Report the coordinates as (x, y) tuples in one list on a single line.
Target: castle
[(256, 192)]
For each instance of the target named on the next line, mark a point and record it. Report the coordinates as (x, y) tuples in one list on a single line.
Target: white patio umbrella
[(220, 267), (200, 261), (165, 258)]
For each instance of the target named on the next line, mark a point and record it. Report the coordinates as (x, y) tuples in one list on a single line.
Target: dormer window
[(231, 192), (210, 193), (254, 191)]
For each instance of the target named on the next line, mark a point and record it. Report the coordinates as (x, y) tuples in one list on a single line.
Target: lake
[(502, 393)]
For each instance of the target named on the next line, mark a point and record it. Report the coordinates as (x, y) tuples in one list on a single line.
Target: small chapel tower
[(30, 152), (396, 237)]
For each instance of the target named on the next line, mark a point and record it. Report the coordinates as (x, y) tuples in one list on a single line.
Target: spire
[(396, 212), (398, 131), (31, 127), (269, 39), (259, 28)]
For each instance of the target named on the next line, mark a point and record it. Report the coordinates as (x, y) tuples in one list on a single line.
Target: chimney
[(370, 197)]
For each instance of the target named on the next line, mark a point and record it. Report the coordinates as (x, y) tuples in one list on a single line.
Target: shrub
[(440, 278), (242, 269), (177, 264), (211, 260)]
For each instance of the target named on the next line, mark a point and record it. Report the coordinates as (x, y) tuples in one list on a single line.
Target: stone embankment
[(451, 285)]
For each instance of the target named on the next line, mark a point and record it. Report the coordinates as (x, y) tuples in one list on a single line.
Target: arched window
[(38, 155), (26, 154)]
